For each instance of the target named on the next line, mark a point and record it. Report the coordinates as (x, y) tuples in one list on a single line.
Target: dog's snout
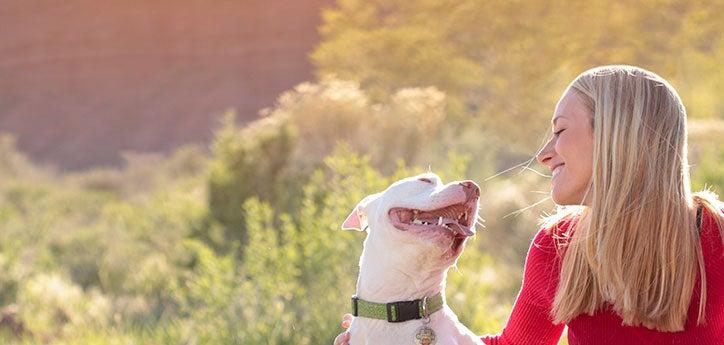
[(471, 188)]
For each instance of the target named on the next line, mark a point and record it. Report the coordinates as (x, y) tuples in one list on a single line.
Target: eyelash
[(426, 180), (559, 132)]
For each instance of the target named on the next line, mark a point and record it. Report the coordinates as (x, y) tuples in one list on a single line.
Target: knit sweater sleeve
[(530, 321)]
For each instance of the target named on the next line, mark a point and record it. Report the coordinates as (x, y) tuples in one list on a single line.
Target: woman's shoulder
[(710, 216), (711, 228), (557, 230), (550, 241)]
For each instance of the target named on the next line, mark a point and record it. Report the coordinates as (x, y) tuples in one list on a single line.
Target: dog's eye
[(425, 179)]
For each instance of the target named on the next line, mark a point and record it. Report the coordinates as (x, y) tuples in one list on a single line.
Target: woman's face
[(569, 152)]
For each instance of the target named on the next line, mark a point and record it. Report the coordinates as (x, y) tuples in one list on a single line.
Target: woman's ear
[(357, 219)]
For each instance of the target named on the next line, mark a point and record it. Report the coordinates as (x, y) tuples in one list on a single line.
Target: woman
[(632, 257)]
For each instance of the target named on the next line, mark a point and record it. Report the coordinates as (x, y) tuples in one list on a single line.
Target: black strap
[(698, 218), (355, 308)]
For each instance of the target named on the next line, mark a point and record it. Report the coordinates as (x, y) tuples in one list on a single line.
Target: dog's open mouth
[(454, 222)]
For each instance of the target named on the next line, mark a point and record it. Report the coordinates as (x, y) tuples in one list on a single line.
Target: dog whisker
[(526, 208), (527, 166), (537, 172), (526, 163)]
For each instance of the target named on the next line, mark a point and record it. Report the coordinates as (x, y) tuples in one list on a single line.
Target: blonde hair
[(636, 246)]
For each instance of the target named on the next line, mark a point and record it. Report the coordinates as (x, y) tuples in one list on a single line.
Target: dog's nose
[(470, 188)]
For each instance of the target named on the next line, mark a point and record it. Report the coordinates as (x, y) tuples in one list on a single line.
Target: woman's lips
[(557, 170)]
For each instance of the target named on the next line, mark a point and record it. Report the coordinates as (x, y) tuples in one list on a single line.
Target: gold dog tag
[(425, 336)]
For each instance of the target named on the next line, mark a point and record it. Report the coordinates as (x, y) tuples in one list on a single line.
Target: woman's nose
[(546, 153)]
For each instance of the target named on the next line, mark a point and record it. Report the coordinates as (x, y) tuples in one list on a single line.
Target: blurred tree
[(249, 162), (506, 62), (148, 253)]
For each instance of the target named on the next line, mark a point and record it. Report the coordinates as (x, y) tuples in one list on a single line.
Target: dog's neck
[(403, 273)]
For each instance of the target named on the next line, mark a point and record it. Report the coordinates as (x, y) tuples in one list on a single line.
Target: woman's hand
[(343, 338)]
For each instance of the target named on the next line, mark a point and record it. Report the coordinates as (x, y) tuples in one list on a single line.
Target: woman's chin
[(564, 199), (558, 200), (567, 200)]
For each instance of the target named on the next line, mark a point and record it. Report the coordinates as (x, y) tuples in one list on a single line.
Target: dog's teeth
[(439, 221), (417, 222), (465, 216)]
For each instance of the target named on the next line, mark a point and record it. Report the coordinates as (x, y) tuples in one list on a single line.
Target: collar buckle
[(403, 311), (423, 309), (355, 305)]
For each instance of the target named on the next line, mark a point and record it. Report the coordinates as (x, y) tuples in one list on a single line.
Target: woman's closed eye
[(558, 132)]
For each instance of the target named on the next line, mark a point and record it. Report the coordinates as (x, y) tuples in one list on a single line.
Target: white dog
[(417, 229)]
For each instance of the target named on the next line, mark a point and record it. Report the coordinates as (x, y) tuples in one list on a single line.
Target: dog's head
[(420, 211)]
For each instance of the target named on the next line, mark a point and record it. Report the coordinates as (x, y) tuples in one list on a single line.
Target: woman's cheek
[(559, 146)]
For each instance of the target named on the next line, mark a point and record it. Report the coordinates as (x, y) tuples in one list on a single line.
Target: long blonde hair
[(635, 247)]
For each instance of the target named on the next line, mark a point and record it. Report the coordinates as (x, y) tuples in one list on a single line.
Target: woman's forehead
[(571, 106)]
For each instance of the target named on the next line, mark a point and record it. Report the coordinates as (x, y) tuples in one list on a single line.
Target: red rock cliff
[(82, 80)]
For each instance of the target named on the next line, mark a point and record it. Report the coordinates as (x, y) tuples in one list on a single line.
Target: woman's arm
[(530, 321)]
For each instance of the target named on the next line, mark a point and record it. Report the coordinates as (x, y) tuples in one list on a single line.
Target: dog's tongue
[(459, 229)]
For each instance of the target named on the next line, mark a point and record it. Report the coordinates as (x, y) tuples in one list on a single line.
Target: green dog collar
[(397, 311)]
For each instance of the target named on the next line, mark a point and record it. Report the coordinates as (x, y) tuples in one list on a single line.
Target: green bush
[(240, 243)]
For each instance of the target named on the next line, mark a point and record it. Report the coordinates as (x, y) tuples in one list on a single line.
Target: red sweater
[(530, 322)]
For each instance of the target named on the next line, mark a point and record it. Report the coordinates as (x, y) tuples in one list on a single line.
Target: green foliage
[(507, 62), (54, 306), (707, 154), (241, 244), (252, 162), (207, 295)]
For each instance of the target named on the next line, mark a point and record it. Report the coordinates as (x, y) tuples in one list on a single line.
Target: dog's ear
[(357, 219)]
